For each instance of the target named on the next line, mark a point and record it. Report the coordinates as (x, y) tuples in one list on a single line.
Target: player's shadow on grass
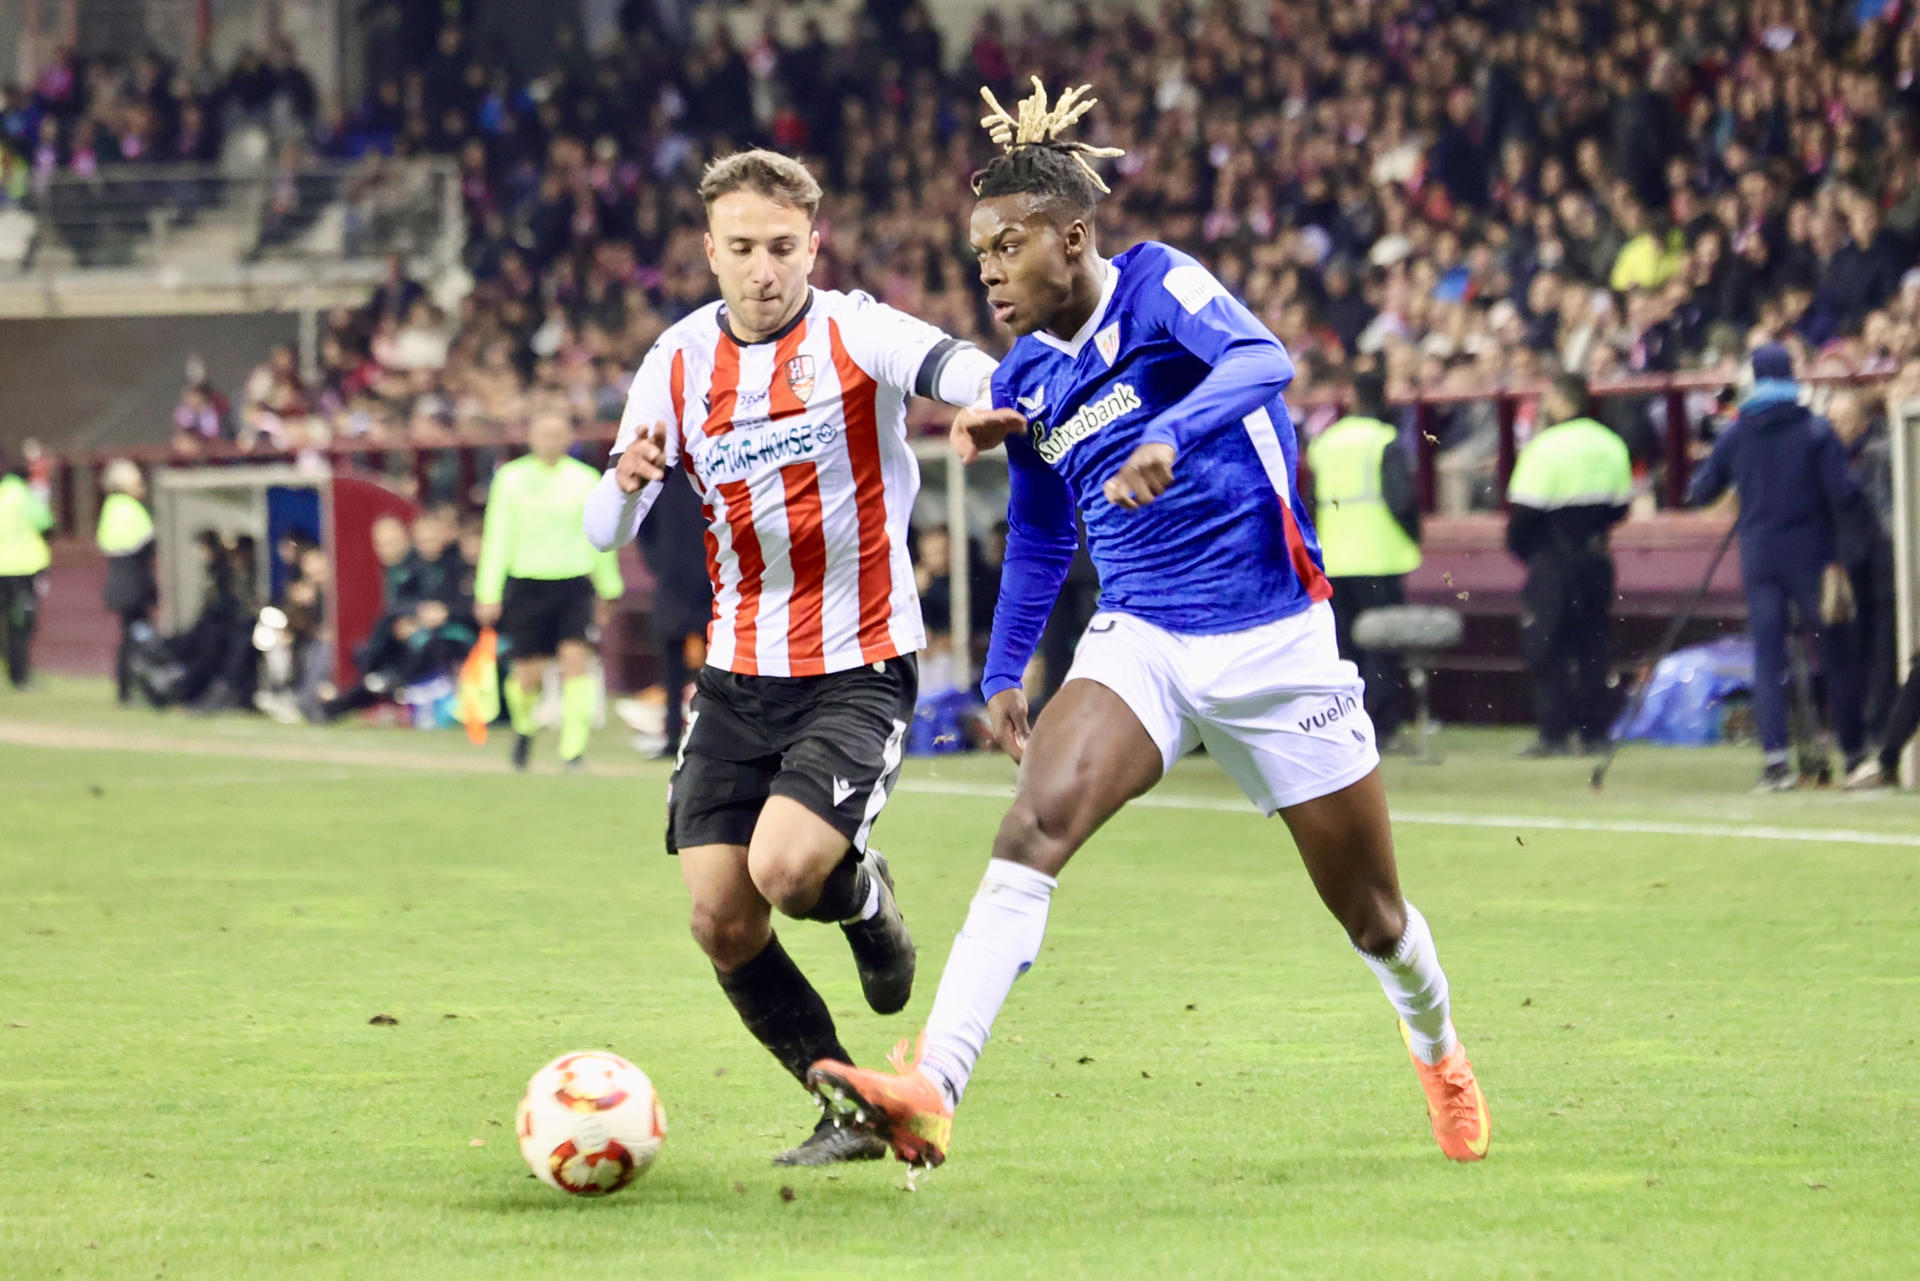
[(699, 1189)]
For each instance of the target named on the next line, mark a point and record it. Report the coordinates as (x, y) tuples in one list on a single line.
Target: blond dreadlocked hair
[(1034, 158)]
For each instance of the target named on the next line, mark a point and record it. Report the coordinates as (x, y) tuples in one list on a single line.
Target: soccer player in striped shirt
[(786, 405), (1142, 394)]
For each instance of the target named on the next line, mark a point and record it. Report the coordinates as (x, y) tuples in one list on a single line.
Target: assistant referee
[(544, 584)]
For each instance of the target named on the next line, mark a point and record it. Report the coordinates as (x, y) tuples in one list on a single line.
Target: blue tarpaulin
[(1686, 700)]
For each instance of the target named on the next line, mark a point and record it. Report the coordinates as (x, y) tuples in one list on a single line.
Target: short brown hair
[(781, 179)]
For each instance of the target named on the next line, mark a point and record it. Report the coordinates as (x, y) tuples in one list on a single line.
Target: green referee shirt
[(534, 530)]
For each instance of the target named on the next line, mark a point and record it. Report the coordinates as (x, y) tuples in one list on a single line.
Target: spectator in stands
[(199, 419), (395, 295), (125, 538), (1279, 145)]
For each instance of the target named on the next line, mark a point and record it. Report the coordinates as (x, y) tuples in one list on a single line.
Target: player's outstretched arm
[(979, 428), (626, 491), (920, 359), (1041, 539), (646, 448), (1248, 370)]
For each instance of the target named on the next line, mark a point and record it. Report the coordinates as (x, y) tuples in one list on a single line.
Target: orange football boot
[(906, 1107), (1462, 1125)]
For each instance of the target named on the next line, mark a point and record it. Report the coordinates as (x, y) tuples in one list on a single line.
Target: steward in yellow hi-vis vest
[(1570, 486), (125, 538), (24, 522), (1368, 520)]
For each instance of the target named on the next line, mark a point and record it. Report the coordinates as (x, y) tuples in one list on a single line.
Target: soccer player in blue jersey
[(1144, 396)]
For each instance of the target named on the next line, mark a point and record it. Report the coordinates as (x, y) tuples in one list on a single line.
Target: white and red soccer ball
[(590, 1123)]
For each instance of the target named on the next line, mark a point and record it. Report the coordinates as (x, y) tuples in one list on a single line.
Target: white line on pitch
[(344, 753), (111, 783), (1443, 818)]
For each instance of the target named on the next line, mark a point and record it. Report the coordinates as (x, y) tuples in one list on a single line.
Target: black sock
[(782, 1010), (843, 893)]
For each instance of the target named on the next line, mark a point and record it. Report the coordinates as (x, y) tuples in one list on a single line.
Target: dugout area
[(336, 506)]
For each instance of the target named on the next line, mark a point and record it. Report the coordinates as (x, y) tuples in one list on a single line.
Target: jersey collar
[(726, 330), (1087, 330)]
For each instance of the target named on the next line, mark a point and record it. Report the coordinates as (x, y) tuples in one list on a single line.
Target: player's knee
[(1036, 833), (1376, 923), (729, 940), (791, 884)]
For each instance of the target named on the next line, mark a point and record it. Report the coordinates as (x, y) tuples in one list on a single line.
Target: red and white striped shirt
[(798, 448)]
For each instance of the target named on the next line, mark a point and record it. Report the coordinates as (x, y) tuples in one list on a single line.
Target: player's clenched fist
[(976, 430), (1146, 475), (645, 460), (1007, 718)]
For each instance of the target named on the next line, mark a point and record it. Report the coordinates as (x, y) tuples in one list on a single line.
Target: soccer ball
[(590, 1123)]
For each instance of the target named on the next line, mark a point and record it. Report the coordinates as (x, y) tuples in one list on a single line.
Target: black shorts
[(832, 743), (536, 614)]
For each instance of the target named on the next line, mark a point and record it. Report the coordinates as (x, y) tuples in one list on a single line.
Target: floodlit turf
[(1700, 1049)]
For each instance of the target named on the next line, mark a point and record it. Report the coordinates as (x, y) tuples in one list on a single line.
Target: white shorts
[(1276, 705)]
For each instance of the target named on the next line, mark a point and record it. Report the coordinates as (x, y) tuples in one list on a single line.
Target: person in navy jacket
[(1799, 504)]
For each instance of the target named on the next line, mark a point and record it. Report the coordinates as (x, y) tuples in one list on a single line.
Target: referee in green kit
[(543, 584)]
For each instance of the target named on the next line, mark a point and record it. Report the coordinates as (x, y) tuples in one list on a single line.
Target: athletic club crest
[(800, 377)]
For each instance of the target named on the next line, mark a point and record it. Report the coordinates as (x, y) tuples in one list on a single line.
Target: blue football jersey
[(1167, 355)]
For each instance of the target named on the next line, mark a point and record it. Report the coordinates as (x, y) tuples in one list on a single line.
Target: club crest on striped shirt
[(800, 377)]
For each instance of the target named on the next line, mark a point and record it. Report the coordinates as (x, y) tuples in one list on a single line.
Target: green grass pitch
[(1694, 1012)]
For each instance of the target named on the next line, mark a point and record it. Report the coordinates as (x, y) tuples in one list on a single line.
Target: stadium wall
[(102, 381)]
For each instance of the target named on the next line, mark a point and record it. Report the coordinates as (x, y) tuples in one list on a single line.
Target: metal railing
[(458, 468), (1677, 433), (454, 471), (214, 223)]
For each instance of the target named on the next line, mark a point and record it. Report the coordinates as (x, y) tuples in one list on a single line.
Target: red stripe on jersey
[(677, 387), (713, 566), (1318, 588), (806, 654), (857, 395), (724, 391), (738, 497), (784, 396)]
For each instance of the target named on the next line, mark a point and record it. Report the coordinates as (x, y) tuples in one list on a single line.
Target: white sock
[(997, 945), (871, 908), (1413, 980)]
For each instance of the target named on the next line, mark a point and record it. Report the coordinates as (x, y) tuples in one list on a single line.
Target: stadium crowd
[(1460, 196), (1470, 194)]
